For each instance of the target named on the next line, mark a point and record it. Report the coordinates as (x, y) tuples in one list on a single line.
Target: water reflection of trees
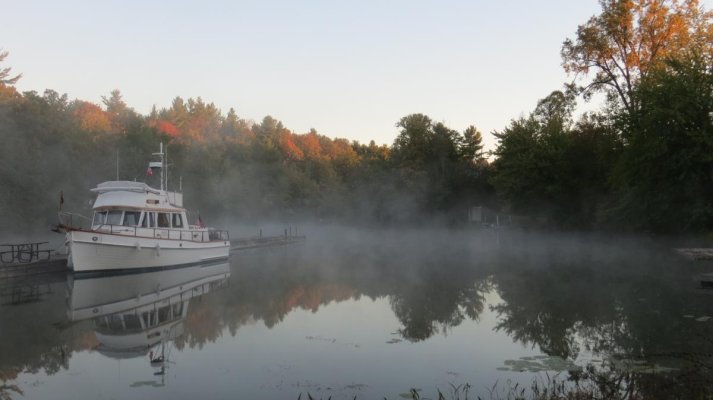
[(40, 326), (34, 335), (428, 294), (628, 310), (437, 306)]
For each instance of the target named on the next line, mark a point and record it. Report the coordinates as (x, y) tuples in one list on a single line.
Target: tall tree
[(471, 147), (555, 110), (233, 125), (411, 147), (630, 37)]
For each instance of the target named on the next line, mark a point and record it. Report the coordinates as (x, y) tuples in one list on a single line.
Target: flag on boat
[(200, 222), (152, 166), (61, 199)]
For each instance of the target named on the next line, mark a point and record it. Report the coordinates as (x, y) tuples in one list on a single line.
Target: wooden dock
[(31, 258), (264, 241), (696, 254)]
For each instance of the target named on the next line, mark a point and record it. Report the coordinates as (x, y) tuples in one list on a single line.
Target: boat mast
[(161, 154)]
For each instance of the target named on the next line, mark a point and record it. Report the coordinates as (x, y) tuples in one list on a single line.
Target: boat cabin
[(136, 209)]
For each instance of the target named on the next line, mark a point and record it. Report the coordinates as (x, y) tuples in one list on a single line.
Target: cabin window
[(177, 310), (163, 221), (164, 314), (114, 217), (131, 218), (148, 220), (148, 318), (131, 321), (102, 322), (99, 218), (177, 221), (116, 322)]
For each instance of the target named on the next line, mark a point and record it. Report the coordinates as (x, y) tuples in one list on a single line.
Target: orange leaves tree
[(91, 117), (630, 38)]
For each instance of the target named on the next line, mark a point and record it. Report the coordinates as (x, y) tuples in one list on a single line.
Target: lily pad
[(641, 366), (539, 363)]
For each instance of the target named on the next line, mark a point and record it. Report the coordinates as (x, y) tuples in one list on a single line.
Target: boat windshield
[(114, 218), (163, 221), (177, 221), (131, 218), (99, 218)]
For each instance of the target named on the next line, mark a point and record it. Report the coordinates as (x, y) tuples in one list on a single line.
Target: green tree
[(517, 166), (665, 174), (123, 118), (548, 166), (234, 125), (471, 146), (412, 146)]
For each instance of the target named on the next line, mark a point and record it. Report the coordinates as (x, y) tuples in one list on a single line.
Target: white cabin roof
[(124, 186), (128, 194)]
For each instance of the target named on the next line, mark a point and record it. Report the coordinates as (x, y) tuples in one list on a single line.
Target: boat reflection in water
[(135, 315)]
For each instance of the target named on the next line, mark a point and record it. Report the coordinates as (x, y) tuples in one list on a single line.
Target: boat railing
[(193, 235), (73, 220)]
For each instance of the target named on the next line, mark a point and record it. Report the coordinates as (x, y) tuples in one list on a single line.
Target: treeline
[(229, 167), (644, 161)]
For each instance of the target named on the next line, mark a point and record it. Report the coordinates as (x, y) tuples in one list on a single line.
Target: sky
[(347, 69)]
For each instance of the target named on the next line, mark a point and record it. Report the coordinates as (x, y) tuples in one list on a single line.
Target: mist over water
[(374, 313)]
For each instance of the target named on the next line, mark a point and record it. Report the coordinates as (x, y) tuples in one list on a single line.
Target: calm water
[(370, 314)]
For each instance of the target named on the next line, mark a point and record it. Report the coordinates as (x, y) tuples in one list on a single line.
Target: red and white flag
[(149, 172)]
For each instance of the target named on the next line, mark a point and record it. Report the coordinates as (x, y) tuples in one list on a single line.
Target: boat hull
[(102, 252)]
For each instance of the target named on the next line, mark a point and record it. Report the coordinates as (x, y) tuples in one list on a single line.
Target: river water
[(373, 314)]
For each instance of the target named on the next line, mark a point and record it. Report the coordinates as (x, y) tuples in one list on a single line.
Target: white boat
[(136, 226)]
